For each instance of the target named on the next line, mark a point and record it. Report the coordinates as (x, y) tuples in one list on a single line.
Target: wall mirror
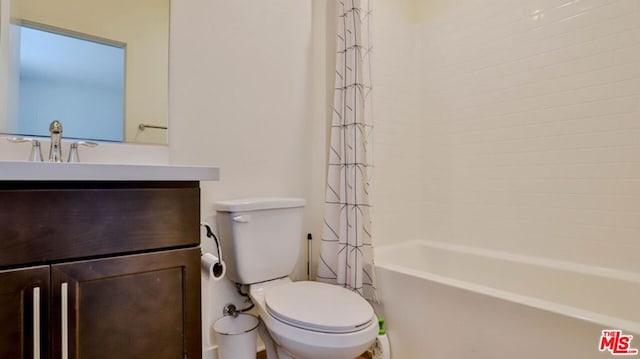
[(98, 66)]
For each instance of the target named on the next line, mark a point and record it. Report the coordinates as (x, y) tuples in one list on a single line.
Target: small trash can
[(237, 336)]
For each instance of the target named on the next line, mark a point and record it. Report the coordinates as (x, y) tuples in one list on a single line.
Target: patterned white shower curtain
[(346, 256)]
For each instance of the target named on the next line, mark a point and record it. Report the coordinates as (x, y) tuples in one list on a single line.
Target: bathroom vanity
[(100, 261)]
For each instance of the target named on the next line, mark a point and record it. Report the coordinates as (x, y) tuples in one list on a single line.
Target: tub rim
[(609, 322)]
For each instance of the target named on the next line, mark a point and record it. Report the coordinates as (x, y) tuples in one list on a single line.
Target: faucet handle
[(74, 157), (55, 127), (36, 150), (19, 139)]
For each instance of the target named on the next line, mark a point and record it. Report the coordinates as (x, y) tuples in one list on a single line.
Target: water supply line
[(229, 309)]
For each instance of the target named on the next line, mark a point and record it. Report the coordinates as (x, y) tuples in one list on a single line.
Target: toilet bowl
[(312, 320), (305, 320)]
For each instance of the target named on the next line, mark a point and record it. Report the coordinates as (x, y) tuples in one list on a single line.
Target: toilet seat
[(318, 307)]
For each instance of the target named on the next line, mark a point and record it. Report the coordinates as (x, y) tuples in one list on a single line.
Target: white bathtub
[(445, 301)]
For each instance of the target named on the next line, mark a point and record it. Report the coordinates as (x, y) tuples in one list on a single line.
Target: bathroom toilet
[(261, 238)]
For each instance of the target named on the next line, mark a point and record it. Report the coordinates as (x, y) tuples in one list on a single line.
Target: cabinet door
[(130, 307), (24, 298)]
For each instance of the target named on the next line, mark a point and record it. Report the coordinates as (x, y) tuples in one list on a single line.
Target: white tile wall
[(528, 136), (398, 153)]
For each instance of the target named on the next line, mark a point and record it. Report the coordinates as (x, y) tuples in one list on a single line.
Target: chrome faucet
[(36, 151), (74, 157), (55, 150)]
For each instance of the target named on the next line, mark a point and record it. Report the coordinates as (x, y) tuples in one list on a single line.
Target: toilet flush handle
[(242, 219)]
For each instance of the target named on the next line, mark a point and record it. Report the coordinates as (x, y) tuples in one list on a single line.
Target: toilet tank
[(260, 237)]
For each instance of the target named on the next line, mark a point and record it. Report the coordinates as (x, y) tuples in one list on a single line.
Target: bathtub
[(444, 301)]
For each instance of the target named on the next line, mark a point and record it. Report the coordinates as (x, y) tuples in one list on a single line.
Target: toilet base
[(272, 350), (283, 354)]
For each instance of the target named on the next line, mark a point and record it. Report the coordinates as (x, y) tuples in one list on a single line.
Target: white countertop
[(47, 171)]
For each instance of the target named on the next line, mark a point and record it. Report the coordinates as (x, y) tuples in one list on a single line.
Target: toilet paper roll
[(214, 268)]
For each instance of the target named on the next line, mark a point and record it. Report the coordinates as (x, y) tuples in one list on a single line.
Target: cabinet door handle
[(36, 323), (64, 295)]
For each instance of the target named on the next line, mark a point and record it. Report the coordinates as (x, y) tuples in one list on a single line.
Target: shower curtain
[(346, 255)]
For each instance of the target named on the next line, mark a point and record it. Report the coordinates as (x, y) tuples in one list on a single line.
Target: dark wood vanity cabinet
[(138, 306), (23, 293), (105, 270)]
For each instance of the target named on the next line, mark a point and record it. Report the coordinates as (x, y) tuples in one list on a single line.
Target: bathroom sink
[(46, 171)]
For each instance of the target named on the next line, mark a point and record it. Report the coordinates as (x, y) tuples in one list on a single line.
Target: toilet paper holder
[(212, 235)]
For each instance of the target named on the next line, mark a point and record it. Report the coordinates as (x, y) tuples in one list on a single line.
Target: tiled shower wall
[(527, 135), (398, 154)]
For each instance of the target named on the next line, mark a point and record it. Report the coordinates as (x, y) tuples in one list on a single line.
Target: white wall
[(529, 117), (239, 95), (9, 72), (242, 98), (5, 10)]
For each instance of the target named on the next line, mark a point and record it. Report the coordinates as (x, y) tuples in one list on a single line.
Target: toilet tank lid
[(258, 203)]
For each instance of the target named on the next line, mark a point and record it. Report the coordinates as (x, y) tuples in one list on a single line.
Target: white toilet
[(261, 239)]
